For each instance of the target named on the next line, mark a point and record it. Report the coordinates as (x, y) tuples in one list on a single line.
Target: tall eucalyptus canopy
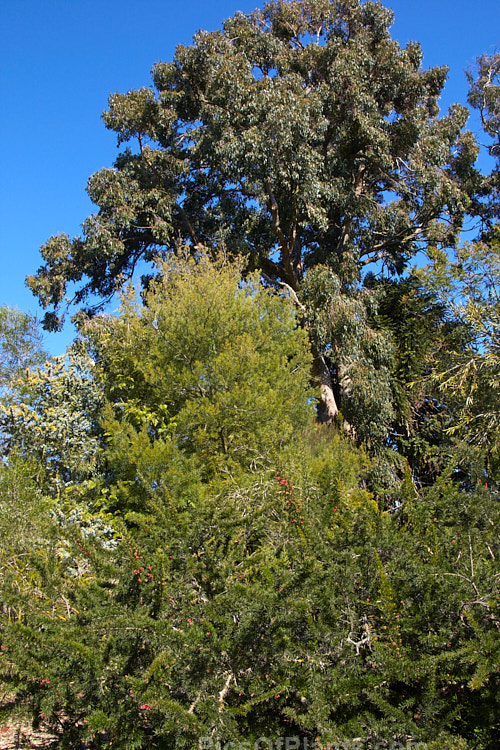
[(299, 135)]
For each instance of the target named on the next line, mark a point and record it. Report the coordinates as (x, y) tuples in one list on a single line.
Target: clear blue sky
[(61, 58)]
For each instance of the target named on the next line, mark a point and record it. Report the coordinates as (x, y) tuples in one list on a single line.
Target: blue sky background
[(59, 61)]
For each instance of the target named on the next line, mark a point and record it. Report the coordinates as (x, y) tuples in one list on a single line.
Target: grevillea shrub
[(267, 607)]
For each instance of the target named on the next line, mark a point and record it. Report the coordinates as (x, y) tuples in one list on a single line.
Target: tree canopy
[(484, 95), (300, 134)]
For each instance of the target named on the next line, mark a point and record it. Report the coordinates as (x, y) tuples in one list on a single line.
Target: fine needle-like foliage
[(213, 362)]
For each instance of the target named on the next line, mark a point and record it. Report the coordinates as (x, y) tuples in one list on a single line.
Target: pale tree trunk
[(344, 380), (328, 410), (328, 407)]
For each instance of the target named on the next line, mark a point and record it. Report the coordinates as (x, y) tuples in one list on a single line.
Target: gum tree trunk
[(327, 408)]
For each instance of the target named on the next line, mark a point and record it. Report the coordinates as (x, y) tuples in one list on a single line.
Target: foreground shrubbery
[(226, 569), (261, 608)]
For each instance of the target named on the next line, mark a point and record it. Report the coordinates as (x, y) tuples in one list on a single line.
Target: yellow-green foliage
[(213, 362)]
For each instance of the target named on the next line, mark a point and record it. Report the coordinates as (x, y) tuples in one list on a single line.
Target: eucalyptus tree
[(299, 135)]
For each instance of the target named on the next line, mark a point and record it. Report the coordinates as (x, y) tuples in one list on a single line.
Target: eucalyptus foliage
[(299, 135), (188, 559), (484, 95)]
